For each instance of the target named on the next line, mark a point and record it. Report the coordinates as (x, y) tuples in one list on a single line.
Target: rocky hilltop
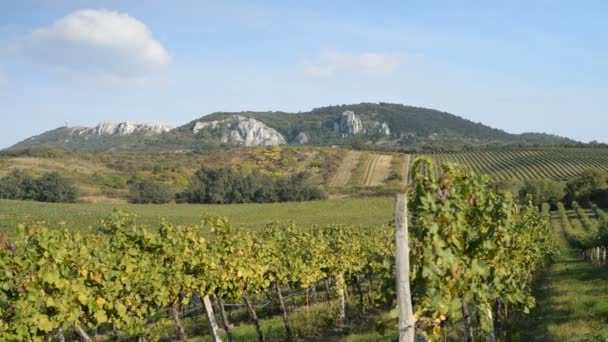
[(126, 128), (364, 123), (241, 130), (104, 136), (120, 129)]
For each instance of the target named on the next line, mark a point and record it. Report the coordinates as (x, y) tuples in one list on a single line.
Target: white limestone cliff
[(348, 123), (241, 130)]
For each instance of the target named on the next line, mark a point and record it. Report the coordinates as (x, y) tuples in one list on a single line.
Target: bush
[(51, 187), (512, 186), (18, 185), (599, 197), (226, 185), (36, 152), (150, 192), (542, 191), (581, 187)]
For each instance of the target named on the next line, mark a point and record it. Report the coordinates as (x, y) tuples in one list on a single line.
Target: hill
[(105, 177), (366, 123), (104, 136)]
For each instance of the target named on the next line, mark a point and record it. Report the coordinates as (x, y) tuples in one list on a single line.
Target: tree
[(18, 185), (53, 187), (582, 186), (542, 191), (226, 185), (508, 185), (197, 191), (150, 192)]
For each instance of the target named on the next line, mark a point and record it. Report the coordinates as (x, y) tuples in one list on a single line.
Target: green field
[(529, 163), (356, 211)]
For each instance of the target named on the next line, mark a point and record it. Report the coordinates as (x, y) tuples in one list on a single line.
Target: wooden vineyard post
[(254, 317), (181, 332), (402, 264), (83, 334), (224, 317), (215, 330)]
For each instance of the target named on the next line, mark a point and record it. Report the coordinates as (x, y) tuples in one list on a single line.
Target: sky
[(520, 66)]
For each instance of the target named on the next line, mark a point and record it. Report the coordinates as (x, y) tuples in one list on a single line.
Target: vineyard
[(572, 294), (474, 254), (586, 231), (344, 172), (377, 170), (364, 169), (371, 211), (529, 163)]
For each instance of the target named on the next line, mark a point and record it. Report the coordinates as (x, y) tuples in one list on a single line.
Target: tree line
[(208, 185), (227, 185), (591, 186), (50, 187)]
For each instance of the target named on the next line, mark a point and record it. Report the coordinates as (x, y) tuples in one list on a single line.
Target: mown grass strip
[(572, 301)]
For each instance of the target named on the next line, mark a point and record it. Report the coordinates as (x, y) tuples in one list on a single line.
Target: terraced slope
[(345, 170), (378, 169), (530, 163)]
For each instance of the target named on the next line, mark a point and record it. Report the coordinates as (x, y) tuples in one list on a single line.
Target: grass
[(315, 322), (572, 300), (349, 211), (357, 177)]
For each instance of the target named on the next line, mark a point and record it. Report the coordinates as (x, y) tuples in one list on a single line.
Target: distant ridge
[(366, 123)]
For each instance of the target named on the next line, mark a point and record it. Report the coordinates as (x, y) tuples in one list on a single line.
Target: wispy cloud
[(2, 78), (96, 40), (332, 63)]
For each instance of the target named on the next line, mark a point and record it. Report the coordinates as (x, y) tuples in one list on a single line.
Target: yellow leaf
[(101, 316), (82, 298), (100, 302)]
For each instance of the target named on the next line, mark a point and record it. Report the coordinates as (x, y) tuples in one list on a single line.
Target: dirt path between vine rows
[(345, 170), (406, 169), (378, 170)]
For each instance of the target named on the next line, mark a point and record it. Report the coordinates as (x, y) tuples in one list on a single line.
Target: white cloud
[(331, 63), (98, 40)]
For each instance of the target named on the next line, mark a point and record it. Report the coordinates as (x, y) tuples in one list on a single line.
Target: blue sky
[(519, 65)]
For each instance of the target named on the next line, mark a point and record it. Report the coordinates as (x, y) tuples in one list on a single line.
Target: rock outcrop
[(241, 130), (384, 129), (348, 123), (117, 129), (301, 139), (103, 137), (201, 125), (126, 128)]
